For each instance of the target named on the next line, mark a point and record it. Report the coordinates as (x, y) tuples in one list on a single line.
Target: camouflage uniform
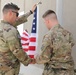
[(56, 52), (11, 53)]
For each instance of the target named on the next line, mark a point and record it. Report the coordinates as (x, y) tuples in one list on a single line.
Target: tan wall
[(69, 20), (0, 9)]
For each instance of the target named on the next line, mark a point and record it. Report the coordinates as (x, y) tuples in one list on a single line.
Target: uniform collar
[(5, 22), (56, 26)]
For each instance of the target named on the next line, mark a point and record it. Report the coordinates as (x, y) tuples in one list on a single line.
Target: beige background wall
[(0, 8), (66, 11), (69, 20)]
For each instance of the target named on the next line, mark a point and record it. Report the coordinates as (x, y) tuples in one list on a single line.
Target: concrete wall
[(0, 8), (66, 16), (69, 20)]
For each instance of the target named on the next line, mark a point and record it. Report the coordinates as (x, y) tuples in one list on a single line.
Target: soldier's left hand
[(34, 7)]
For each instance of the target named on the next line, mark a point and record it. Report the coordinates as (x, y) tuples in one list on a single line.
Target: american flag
[(25, 41), (33, 36), (29, 42)]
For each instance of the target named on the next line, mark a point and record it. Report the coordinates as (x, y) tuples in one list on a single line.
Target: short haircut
[(48, 12), (10, 6)]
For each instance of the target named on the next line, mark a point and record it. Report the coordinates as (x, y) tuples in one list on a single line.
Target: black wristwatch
[(31, 12)]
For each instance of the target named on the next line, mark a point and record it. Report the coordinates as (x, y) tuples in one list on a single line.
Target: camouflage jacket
[(10, 47), (56, 48)]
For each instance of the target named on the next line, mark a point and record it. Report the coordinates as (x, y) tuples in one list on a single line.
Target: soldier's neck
[(6, 20), (53, 24)]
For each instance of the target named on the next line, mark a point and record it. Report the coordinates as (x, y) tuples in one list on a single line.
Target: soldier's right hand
[(34, 7)]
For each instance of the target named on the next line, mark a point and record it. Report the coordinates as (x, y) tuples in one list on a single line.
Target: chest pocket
[(3, 45)]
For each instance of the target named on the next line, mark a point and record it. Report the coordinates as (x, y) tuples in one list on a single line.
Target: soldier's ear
[(10, 13), (48, 21)]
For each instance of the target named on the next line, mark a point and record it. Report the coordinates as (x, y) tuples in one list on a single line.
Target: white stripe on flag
[(26, 32), (23, 46), (32, 44), (33, 35), (31, 52), (24, 42), (24, 36)]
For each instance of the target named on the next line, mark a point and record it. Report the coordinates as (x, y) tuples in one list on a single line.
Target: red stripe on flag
[(32, 48), (25, 44), (25, 33), (33, 39), (26, 50), (25, 39), (31, 56)]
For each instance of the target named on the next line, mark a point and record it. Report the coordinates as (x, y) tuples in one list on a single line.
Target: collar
[(56, 26), (5, 22)]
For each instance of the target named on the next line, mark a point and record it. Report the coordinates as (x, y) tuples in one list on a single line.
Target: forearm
[(22, 19), (22, 56), (46, 51), (28, 14), (42, 59)]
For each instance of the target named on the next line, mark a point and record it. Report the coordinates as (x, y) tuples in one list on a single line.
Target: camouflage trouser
[(52, 71), (10, 71)]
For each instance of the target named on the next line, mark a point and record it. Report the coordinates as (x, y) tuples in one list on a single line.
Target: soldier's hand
[(34, 7), (33, 61)]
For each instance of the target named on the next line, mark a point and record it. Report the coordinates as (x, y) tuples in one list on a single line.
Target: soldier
[(56, 48), (11, 53)]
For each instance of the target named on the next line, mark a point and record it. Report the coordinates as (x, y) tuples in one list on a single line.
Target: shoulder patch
[(7, 29)]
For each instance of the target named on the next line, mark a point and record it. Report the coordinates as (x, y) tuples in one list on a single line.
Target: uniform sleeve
[(46, 51), (22, 19), (15, 46), (71, 40)]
